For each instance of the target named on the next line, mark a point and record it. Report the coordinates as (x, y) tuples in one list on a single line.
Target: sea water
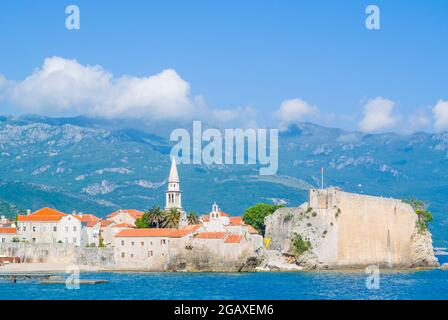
[(427, 284)]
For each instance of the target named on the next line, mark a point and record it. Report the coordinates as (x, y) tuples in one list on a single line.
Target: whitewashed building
[(52, 226)]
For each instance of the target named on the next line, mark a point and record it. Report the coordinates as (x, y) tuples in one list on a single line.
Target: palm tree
[(172, 218), (193, 218), (155, 217)]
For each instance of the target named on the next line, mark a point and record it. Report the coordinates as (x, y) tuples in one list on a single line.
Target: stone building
[(7, 234), (128, 216)]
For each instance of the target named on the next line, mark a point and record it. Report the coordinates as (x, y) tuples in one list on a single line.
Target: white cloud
[(378, 115), (294, 111), (65, 87), (440, 112)]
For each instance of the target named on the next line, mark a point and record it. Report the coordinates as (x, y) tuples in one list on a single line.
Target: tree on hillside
[(193, 218), (423, 214), (255, 215), (171, 218)]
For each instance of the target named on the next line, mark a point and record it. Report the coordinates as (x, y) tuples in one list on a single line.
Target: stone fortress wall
[(353, 230)]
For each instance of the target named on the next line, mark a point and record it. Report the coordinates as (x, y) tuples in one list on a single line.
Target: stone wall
[(213, 255), (352, 230), (59, 253)]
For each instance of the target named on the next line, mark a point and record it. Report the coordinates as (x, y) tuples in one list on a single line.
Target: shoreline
[(20, 268)]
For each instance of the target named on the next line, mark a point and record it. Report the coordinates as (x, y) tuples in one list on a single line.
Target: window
[(34, 229), (163, 241), (3, 240), (143, 243), (74, 228), (24, 228), (132, 255), (34, 240), (132, 243), (122, 242), (55, 229), (18, 228), (122, 254), (150, 253), (74, 240)]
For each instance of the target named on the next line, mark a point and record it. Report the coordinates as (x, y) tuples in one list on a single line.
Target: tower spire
[(174, 176), (173, 195)]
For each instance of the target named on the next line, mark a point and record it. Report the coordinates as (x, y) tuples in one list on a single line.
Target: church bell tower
[(173, 194)]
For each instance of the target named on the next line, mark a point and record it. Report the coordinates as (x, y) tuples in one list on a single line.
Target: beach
[(45, 267)]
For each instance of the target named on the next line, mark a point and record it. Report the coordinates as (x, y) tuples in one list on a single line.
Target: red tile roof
[(236, 221), (233, 238), (153, 232), (105, 223), (87, 217), (42, 215), (132, 212), (91, 224), (8, 230), (160, 232), (211, 235), (182, 232)]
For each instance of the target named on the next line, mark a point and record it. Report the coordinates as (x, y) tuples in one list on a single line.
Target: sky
[(251, 62)]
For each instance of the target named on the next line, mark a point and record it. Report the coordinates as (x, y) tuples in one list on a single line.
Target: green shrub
[(423, 214), (299, 245), (288, 217)]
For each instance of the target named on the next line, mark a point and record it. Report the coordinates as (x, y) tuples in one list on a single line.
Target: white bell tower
[(173, 194)]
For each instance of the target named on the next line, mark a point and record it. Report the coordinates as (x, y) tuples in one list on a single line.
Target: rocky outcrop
[(422, 250), (276, 261), (346, 230), (218, 258)]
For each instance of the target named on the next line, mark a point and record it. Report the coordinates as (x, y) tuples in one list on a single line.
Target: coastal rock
[(275, 261), (209, 258), (444, 266), (422, 250), (345, 230)]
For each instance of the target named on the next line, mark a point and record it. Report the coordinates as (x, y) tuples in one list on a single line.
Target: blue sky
[(250, 54)]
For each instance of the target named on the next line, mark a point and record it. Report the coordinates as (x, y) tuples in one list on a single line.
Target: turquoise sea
[(431, 284)]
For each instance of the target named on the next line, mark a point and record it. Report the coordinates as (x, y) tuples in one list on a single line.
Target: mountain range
[(100, 165)]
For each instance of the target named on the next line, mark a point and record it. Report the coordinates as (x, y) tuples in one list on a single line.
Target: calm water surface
[(431, 284)]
